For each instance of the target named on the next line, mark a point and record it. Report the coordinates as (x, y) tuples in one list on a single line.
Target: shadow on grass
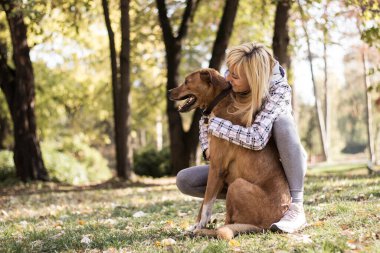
[(39, 187)]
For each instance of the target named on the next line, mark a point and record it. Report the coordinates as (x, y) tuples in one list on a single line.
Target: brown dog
[(258, 192)]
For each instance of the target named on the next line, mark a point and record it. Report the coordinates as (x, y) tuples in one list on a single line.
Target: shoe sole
[(274, 228)]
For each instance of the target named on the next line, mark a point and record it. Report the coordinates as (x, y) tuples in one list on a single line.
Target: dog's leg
[(215, 184)]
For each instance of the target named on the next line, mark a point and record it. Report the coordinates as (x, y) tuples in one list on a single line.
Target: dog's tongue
[(187, 103)]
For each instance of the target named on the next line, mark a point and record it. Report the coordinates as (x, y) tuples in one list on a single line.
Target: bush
[(96, 165), (62, 166), (6, 165), (68, 162), (151, 162)]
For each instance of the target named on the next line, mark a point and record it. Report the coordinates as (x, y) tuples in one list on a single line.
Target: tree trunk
[(19, 90), (281, 40), (368, 115), (124, 165), (224, 33), (120, 88), (7, 85), (281, 33), (183, 144), (326, 88), (318, 109)]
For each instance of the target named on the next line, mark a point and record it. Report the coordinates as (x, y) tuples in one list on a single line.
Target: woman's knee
[(181, 181), (188, 180)]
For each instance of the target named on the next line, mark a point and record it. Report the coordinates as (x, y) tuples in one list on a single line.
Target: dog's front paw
[(201, 224), (192, 228)]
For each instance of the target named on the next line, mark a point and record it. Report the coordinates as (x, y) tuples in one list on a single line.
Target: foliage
[(7, 169), (341, 208), (70, 54), (368, 18), (68, 161), (63, 167), (150, 162)]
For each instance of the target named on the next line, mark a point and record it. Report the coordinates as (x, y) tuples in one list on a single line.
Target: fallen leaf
[(168, 242), (169, 224), (180, 214), (347, 232), (184, 225), (300, 238), (58, 235), (318, 223), (23, 223), (139, 214), (81, 222), (4, 213), (86, 240), (233, 243), (352, 244)]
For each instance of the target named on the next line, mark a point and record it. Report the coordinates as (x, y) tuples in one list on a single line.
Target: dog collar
[(217, 99)]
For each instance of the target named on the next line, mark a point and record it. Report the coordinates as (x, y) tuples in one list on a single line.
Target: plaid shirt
[(256, 136)]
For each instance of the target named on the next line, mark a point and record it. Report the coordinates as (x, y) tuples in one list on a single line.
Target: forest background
[(88, 101)]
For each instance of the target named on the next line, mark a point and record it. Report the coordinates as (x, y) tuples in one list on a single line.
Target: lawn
[(343, 212)]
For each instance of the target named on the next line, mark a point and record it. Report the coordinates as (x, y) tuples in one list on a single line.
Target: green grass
[(343, 212)]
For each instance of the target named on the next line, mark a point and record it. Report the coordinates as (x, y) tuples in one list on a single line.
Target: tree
[(183, 144), (120, 87), (281, 38), (318, 108), (367, 89), (18, 87), (281, 33), (327, 110)]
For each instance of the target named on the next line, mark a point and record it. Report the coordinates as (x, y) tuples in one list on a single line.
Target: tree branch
[(224, 33), (185, 20), (164, 21)]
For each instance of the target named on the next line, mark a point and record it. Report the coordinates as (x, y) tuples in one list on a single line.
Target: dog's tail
[(227, 232)]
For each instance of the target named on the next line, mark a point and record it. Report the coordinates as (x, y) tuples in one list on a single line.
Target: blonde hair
[(254, 62)]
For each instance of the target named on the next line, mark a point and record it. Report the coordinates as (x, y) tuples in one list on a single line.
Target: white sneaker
[(294, 219)]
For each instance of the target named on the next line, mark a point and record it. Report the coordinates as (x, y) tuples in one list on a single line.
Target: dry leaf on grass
[(184, 225), (58, 235), (169, 224), (165, 242), (139, 214), (23, 223), (299, 238), (318, 223), (86, 239), (233, 243)]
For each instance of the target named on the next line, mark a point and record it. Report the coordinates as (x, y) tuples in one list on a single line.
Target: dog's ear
[(205, 76)]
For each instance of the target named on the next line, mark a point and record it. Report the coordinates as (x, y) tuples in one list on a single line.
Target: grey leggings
[(192, 181)]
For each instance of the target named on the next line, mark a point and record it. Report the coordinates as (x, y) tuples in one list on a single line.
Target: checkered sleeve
[(203, 128), (256, 136)]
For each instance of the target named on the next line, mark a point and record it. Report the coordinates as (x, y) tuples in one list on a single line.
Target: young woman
[(258, 78)]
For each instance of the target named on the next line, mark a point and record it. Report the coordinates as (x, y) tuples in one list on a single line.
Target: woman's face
[(239, 83)]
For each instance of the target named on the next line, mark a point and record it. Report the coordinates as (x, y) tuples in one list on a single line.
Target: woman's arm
[(257, 136)]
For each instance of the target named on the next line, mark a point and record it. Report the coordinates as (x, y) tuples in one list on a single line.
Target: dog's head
[(198, 89)]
